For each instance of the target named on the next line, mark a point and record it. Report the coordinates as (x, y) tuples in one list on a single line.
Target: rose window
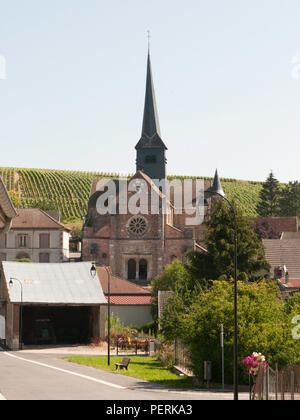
[(137, 226)]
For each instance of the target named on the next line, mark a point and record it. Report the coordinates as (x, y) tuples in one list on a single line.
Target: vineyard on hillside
[(68, 191)]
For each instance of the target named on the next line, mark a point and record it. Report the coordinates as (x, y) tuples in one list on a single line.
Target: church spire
[(151, 150), (150, 121), (151, 136)]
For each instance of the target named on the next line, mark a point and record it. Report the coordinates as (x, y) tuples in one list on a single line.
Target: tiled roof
[(279, 224), (290, 235), (281, 252), (129, 300), (35, 219), (119, 286), (293, 283)]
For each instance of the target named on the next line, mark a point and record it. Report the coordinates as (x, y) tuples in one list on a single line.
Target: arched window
[(131, 270), (143, 270)]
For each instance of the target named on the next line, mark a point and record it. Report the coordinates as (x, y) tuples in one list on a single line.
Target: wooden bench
[(124, 364)]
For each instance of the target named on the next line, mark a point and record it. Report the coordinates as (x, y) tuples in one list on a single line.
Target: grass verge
[(145, 368)]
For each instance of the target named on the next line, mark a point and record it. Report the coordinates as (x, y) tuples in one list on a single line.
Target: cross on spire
[(149, 37)]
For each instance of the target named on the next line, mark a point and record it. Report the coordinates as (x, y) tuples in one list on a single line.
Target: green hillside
[(68, 191)]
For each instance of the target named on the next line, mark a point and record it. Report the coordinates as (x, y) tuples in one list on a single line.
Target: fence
[(137, 345), (274, 385), (181, 357)]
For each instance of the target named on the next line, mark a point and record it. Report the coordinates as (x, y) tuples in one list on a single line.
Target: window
[(143, 270), (23, 241), (131, 270), (22, 256), (44, 258), (137, 226), (2, 241), (44, 240), (150, 159)]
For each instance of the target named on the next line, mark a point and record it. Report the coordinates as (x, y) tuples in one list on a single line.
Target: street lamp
[(11, 283), (217, 189), (109, 275)]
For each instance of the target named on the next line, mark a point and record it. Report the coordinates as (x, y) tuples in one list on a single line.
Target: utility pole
[(222, 348)]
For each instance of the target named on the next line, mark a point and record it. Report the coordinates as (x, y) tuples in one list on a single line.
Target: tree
[(174, 277), (15, 198), (219, 242), (290, 200), (268, 205), (264, 326), (265, 230)]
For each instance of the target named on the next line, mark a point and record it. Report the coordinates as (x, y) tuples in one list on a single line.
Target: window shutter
[(2, 241), (44, 241)]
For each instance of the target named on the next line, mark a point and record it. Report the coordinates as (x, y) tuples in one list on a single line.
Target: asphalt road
[(29, 376)]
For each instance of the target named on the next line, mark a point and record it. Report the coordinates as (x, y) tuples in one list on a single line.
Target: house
[(51, 304), (7, 211), (284, 254), (130, 302), (36, 235), (273, 227), (289, 285)]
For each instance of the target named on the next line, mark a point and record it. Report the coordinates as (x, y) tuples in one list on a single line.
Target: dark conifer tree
[(268, 205)]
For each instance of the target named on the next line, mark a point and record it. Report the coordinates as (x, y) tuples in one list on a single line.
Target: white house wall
[(131, 315), (58, 251)]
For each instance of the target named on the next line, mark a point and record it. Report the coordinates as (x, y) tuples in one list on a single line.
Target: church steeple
[(151, 149), (151, 120)]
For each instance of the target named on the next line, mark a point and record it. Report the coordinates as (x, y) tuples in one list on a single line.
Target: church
[(137, 247)]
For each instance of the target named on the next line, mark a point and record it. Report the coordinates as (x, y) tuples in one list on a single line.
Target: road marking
[(90, 378)]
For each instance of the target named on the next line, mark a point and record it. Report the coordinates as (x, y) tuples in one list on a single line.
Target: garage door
[(56, 325)]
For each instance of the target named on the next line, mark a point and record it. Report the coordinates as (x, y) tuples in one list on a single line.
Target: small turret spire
[(217, 186)]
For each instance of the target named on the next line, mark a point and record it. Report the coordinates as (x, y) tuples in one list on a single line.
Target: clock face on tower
[(137, 226)]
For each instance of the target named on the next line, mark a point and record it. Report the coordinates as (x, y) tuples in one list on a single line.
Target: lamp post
[(11, 283), (217, 189), (109, 275)]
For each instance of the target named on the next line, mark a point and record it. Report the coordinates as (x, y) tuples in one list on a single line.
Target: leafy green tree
[(269, 197), (174, 277), (264, 326), (220, 244)]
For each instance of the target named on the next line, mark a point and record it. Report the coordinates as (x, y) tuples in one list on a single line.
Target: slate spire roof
[(217, 186), (151, 136)]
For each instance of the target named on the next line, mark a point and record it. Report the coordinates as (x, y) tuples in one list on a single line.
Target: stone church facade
[(137, 247)]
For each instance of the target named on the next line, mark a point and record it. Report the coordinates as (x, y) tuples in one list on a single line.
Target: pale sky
[(227, 92)]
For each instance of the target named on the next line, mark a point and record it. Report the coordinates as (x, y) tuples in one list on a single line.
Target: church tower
[(151, 150)]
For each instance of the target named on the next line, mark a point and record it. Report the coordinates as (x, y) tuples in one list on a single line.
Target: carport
[(51, 304)]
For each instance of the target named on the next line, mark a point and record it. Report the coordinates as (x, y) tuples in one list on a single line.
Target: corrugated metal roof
[(62, 283)]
